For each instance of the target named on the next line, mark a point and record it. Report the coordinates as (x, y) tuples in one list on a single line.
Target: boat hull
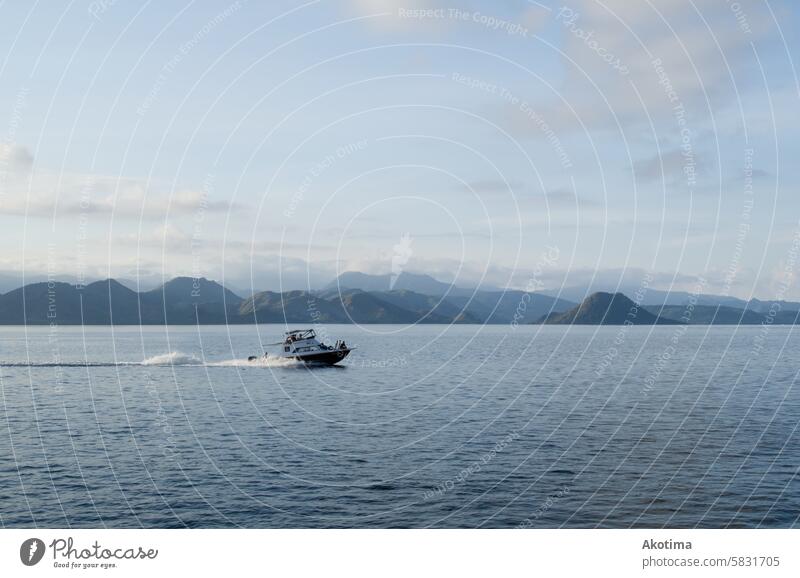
[(330, 357)]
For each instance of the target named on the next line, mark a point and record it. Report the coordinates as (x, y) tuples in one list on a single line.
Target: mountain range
[(362, 298), (186, 300)]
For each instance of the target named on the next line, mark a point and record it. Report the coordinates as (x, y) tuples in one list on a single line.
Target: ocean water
[(423, 426)]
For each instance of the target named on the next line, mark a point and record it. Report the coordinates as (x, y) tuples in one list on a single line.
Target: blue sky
[(278, 144)]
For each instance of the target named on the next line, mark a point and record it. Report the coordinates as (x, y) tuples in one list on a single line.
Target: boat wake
[(172, 359), (258, 362)]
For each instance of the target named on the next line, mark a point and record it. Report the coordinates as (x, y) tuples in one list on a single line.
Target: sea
[(424, 426)]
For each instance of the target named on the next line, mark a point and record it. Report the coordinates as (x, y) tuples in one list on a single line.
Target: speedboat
[(303, 345)]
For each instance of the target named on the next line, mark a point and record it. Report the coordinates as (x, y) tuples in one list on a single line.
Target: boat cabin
[(301, 340), (304, 341)]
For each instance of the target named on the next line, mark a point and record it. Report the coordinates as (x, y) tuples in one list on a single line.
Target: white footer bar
[(406, 553)]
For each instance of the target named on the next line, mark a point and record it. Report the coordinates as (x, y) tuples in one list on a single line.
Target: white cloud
[(14, 158), (610, 50), (50, 195), (389, 8), (670, 165)]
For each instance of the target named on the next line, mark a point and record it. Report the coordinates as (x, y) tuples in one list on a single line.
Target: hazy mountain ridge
[(186, 300), (416, 282), (721, 315), (603, 308), (397, 306), (657, 298), (182, 300)]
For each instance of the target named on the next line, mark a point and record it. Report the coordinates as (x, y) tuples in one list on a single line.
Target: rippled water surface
[(459, 426)]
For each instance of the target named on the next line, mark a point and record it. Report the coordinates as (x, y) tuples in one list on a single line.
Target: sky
[(508, 144)]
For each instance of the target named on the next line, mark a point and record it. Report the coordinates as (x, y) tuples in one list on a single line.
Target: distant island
[(606, 309), (364, 299)]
